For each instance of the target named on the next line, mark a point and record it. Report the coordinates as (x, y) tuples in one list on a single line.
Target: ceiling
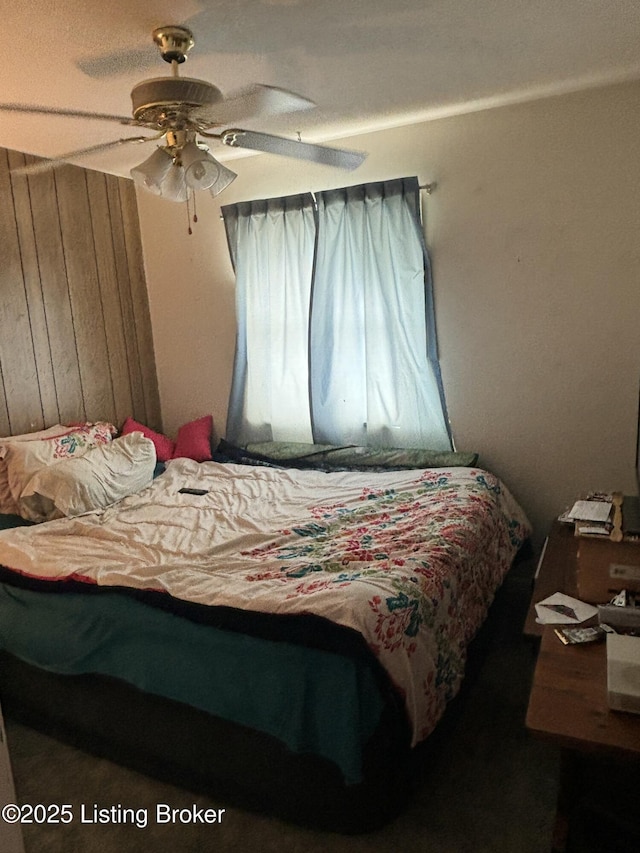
[(367, 64)]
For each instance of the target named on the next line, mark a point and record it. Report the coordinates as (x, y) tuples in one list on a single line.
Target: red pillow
[(194, 440), (164, 446)]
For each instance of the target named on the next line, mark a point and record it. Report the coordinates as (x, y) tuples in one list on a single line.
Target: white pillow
[(101, 476), (23, 459), (7, 502)]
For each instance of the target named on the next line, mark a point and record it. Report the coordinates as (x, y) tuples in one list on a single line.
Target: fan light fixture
[(151, 174), (172, 172), (225, 177), (200, 168)]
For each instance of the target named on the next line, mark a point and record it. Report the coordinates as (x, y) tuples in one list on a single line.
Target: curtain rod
[(427, 188)]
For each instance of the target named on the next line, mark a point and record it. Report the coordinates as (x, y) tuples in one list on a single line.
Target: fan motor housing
[(156, 100)]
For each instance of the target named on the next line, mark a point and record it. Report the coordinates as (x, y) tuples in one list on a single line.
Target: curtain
[(375, 380), (272, 247), (336, 328)]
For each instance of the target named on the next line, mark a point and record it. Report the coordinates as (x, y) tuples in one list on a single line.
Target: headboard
[(75, 330)]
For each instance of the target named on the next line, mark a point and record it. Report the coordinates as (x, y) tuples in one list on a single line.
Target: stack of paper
[(595, 511), (591, 517)]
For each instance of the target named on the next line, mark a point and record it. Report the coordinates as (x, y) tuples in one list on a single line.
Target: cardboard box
[(605, 567)]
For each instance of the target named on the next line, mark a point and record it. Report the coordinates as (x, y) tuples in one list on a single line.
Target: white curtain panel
[(272, 244), (372, 381)]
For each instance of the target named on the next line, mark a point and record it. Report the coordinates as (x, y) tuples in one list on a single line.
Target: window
[(336, 334)]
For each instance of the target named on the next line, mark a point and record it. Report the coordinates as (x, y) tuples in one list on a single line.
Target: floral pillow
[(23, 459), (7, 503), (93, 480)]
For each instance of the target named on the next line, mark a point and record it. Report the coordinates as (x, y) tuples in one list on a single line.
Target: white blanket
[(410, 559)]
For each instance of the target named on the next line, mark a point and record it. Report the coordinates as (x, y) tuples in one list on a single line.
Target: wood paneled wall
[(75, 330)]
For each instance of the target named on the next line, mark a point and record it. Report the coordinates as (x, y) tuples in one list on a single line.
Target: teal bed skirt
[(314, 701)]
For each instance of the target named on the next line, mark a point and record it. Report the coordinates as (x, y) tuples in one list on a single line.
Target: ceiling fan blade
[(55, 111), (292, 148), (258, 100), (117, 62), (47, 165)]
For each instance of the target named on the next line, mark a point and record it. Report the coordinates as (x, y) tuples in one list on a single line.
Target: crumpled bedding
[(409, 559)]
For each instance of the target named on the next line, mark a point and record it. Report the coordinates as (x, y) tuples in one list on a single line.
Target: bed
[(281, 626)]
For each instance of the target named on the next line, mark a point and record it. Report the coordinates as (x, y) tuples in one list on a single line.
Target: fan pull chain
[(195, 213)]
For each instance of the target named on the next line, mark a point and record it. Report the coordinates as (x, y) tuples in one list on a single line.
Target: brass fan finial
[(174, 43)]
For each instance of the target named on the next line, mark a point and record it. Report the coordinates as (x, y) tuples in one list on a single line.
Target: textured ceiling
[(367, 64)]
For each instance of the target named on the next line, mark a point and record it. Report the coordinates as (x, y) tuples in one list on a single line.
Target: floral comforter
[(409, 559)]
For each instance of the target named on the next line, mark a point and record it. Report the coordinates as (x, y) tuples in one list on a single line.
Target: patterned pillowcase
[(82, 437), (7, 503), (93, 480), (23, 459)]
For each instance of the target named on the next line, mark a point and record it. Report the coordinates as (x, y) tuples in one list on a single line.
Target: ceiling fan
[(181, 111)]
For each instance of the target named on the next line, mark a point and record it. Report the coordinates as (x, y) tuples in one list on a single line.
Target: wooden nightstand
[(568, 700), (556, 572)]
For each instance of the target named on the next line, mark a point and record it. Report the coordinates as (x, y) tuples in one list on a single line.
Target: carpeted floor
[(488, 788)]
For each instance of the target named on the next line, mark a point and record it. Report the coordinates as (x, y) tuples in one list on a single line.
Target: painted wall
[(534, 230)]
